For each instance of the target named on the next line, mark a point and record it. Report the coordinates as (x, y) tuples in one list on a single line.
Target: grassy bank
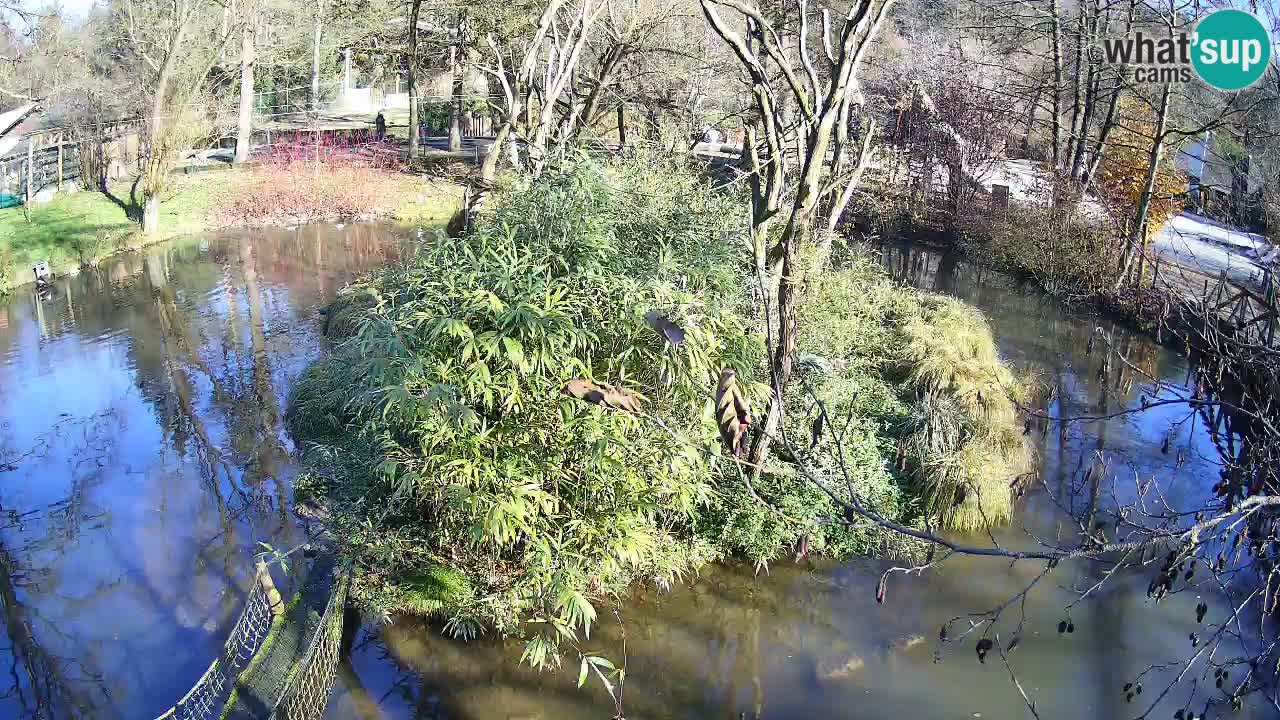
[(516, 425), (84, 227), (925, 370)]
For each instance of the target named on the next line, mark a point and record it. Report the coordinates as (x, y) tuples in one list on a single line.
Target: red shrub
[(310, 177)]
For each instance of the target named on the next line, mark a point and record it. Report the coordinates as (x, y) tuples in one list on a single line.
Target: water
[(142, 459), (810, 641)]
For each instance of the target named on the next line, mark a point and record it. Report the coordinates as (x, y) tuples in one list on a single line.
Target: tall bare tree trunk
[(248, 54), (455, 102), (413, 79), (1055, 24), (489, 168), (1078, 88), (1138, 230), (157, 166), (1110, 120), (315, 57)]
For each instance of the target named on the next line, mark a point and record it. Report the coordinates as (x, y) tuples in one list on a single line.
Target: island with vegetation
[(516, 425)]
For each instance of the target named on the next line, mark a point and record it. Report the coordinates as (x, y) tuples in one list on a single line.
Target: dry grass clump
[(302, 193), (964, 444), (959, 435)]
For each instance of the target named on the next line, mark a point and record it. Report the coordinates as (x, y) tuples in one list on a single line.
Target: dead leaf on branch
[(733, 415), (603, 394)]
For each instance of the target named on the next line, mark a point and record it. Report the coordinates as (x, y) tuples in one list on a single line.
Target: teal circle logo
[(1231, 49)]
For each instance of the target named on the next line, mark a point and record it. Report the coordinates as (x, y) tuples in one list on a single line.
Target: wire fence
[(306, 692), (207, 697)]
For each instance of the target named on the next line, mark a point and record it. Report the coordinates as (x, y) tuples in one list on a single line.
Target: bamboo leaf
[(515, 352)]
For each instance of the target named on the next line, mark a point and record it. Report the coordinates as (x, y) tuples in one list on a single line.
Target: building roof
[(16, 124)]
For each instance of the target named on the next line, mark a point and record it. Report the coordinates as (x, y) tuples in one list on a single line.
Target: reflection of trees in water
[(713, 649), (40, 683), (198, 326), (50, 674)]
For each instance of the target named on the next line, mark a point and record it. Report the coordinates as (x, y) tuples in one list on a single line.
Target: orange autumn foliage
[(1123, 172)]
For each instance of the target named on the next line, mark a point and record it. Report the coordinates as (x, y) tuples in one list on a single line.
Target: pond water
[(142, 460), (810, 641)]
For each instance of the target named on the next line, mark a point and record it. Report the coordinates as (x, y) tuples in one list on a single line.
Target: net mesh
[(208, 695), (306, 692)]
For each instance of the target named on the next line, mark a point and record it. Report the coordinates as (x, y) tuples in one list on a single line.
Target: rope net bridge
[(280, 660)]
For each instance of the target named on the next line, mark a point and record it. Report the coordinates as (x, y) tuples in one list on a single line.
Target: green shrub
[(8, 267), (1060, 252), (449, 461), (450, 443)]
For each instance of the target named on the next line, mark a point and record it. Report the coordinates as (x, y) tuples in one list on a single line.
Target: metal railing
[(306, 690)]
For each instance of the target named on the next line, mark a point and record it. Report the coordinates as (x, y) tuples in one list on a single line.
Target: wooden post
[(263, 575), (59, 167), (1155, 274), (31, 159)]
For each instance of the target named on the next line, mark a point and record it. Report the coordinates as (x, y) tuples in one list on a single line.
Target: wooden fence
[(51, 159)]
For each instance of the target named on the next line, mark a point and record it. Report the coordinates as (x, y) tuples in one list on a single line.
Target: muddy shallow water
[(143, 458)]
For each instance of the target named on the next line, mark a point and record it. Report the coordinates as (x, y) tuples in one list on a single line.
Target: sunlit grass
[(89, 225), (958, 430)]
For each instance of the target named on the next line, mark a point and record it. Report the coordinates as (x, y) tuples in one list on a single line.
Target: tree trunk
[(1090, 105), (315, 58), (244, 129), (455, 116), (622, 126), (797, 230), (837, 208), (1055, 25), (1108, 122), (1138, 229), (413, 79), (455, 103), (1077, 95), (561, 67), (1031, 122), (151, 215), (489, 168), (157, 167)]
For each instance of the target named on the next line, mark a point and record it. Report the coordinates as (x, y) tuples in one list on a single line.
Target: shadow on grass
[(132, 208), (54, 234)]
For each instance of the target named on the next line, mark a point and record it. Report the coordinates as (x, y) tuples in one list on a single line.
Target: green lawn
[(95, 225)]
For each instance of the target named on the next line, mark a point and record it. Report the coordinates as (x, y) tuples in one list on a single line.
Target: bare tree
[(173, 49), (248, 11), (782, 70)]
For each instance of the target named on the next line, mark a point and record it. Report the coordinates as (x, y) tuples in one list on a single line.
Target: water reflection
[(810, 641), (142, 457)]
